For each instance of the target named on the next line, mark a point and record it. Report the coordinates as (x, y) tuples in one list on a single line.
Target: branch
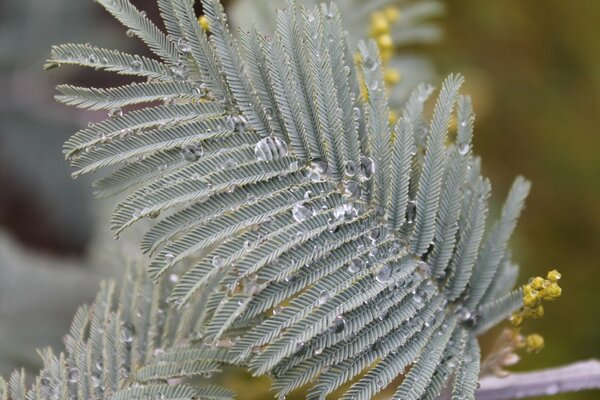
[(582, 375)]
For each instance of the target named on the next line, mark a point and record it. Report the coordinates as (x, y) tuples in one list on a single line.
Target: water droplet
[(352, 190), (174, 278), (73, 375), (130, 33), (301, 212), (115, 112), (384, 275), (277, 309), (370, 63), (366, 168), (317, 170), (136, 65), (236, 123), (192, 152), (270, 149), (411, 212), (339, 323), (184, 46), (347, 70), (355, 266), (319, 351), (463, 148), (350, 168), (92, 59), (169, 257), (218, 261), (380, 383), (323, 297), (229, 164), (127, 333), (345, 212)]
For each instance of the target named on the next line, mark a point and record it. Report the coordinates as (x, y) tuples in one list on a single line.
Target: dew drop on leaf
[(192, 152), (302, 212), (463, 148), (339, 324), (366, 168), (384, 275), (115, 112), (218, 261), (270, 149), (184, 46), (411, 212)]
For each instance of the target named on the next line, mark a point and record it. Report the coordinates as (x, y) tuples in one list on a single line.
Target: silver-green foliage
[(321, 240), (131, 347)]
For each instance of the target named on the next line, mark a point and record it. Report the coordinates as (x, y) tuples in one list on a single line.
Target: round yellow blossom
[(534, 343), (552, 292), (379, 24), (392, 76), (516, 319), (537, 283), (530, 300), (385, 42), (553, 276), (203, 21), (392, 13)]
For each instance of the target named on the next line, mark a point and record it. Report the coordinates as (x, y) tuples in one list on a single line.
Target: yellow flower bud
[(393, 117), (530, 300), (516, 319), (392, 76), (552, 292), (537, 283), (554, 276), (385, 42), (392, 13), (379, 24), (534, 343), (203, 21)]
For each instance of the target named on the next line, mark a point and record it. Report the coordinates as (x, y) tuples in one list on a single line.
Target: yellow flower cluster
[(380, 31), (534, 293)]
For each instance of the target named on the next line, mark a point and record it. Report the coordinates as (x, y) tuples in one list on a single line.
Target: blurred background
[(533, 69)]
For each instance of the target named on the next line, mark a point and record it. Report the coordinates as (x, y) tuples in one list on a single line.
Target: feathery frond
[(127, 348), (327, 248)]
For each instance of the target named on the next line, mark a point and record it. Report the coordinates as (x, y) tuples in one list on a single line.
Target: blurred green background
[(532, 67)]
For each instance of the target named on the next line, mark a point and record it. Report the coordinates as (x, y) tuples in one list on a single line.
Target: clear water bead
[(302, 212), (350, 169), (411, 212), (136, 65), (355, 266), (192, 152), (352, 190), (270, 149), (339, 323), (317, 170), (345, 212), (323, 297), (366, 168), (218, 261), (370, 63), (384, 275), (115, 112), (184, 46), (463, 148)]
